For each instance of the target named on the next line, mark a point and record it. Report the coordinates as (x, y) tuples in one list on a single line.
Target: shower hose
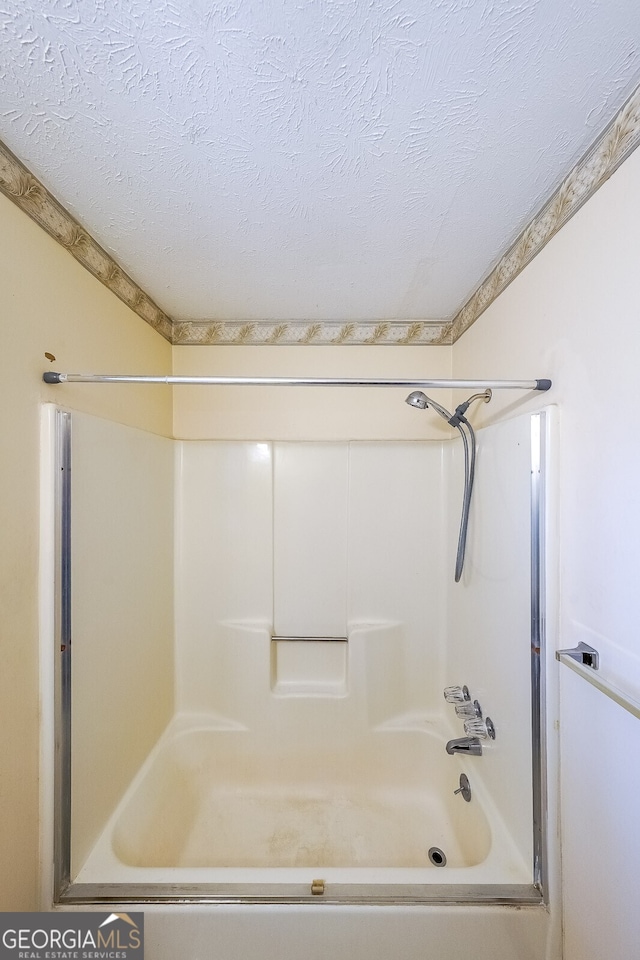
[(469, 444)]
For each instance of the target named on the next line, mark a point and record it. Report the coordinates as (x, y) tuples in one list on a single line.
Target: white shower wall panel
[(396, 564), (311, 485), (224, 569), (309, 539), (489, 646), (122, 612)]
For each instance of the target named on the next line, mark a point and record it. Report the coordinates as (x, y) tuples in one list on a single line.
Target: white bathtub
[(228, 813)]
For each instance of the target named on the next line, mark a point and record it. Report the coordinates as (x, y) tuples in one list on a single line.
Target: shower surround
[(261, 635)]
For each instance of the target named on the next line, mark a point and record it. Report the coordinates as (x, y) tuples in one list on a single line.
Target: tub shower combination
[(252, 642)]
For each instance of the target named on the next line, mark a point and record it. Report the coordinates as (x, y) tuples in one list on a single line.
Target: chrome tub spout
[(471, 746)]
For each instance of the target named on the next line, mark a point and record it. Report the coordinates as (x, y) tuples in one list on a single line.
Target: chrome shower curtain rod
[(51, 377)]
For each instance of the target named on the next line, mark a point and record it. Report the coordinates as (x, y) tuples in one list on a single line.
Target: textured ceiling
[(319, 159)]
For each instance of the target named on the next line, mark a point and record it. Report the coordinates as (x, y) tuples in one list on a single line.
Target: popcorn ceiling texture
[(356, 167)]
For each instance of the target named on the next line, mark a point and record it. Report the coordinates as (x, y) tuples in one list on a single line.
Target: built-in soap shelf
[(309, 666)]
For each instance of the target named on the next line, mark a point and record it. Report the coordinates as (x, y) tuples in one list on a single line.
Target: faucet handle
[(456, 694), (468, 709), (483, 729)]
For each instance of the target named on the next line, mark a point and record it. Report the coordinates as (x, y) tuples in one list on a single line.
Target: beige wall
[(49, 303), (307, 413), (573, 315)]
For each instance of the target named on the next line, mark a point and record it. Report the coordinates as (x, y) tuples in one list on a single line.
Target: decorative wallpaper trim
[(311, 333), (17, 183), (621, 138)]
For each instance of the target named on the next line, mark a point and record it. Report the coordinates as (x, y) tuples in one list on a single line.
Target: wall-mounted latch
[(583, 654)]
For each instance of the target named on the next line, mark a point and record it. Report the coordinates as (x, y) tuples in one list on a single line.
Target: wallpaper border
[(19, 185), (619, 139)]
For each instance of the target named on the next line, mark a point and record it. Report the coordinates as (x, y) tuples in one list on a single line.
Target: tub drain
[(437, 857)]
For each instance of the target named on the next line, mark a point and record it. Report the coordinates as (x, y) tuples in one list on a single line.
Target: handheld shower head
[(421, 401), (417, 399)]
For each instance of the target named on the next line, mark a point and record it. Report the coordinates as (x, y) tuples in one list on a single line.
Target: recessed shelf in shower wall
[(309, 666)]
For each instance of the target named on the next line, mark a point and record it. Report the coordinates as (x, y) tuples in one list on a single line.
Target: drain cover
[(437, 857)]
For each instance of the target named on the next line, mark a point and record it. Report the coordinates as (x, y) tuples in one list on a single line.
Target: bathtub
[(225, 813)]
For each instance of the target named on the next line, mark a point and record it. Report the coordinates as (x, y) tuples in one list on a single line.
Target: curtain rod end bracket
[(51, 377), (543, 384)]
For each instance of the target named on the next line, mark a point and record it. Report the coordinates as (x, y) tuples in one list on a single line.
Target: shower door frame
[(65, 891)]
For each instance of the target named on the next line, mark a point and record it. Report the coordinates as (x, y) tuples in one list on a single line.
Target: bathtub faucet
[(469, 745)]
